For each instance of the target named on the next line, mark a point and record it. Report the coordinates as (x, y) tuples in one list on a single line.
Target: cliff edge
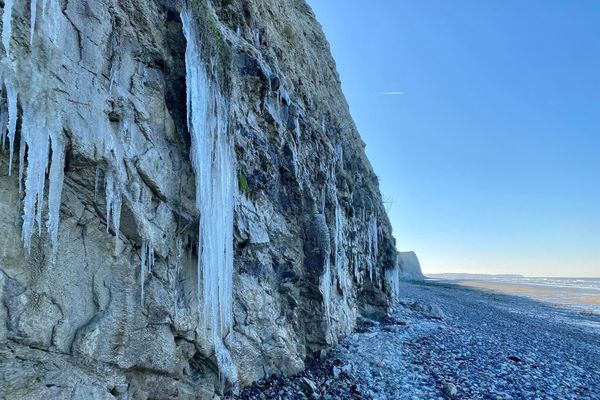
[(186, 203)]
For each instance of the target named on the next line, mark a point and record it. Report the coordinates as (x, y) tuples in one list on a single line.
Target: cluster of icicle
[(42, 140), (392, 276), (339, 250), (370, 252), (372, 245), (42, 144), (213, 163), (41, 131)]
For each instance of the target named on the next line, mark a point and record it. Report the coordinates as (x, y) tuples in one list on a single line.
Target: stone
[(308, 386), (449, 389), (429, 310)]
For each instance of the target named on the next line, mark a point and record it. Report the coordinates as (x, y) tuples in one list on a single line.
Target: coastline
[(446, 340), (570, 297)]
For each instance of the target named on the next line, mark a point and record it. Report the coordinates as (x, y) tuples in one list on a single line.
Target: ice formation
[(33, 12), (11, 99), (340, 257), (326, 289), (339, 250), (213, 164), (393, 278), (42, 137), (373, 245), (146, 264), (113, 204), (41, 143), (7, 25)]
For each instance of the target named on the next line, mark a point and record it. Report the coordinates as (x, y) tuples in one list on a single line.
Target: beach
[(447, 340), (581, 294)]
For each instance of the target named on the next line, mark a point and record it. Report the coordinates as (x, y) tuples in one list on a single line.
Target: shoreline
[(445, 341), (586, 300)]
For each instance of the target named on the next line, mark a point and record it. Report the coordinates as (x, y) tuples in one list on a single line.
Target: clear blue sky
[(492, 153)]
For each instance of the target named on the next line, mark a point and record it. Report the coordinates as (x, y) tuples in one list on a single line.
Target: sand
[(571, 297)]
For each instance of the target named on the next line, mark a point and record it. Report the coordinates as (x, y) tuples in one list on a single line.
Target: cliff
[(186, 203), (410, 268)]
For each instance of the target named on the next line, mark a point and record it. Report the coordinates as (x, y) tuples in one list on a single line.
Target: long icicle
[(213, 164)]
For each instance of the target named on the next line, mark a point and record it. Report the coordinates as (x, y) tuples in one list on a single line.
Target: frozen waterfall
[(213, 164)]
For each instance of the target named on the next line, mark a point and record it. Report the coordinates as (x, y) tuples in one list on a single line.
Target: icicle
[(7, 25), (96, 181), (22, 145), (256, 37), (393, 278), (146, 264), (339, 249), (33, 12), (213, 164), (56, 178), (326, 289), (372, 244), (38, 145), (11, 97), (113, 205), (143, 268), (3, 123), (179, 256), (53, 25), (113, 74)]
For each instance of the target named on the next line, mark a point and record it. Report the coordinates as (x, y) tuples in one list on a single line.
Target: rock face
[(99, 87), (410, 268)]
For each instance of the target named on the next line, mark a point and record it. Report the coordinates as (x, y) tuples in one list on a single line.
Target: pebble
[(449, 389), (489, 346)]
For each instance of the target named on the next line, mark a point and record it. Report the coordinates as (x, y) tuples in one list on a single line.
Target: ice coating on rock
[(213, 164)]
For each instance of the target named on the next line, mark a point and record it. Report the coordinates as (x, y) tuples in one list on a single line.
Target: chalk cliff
[(410, 268), (186, 203)]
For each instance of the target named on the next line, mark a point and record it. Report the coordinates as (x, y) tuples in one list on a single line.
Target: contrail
[(391, 93)]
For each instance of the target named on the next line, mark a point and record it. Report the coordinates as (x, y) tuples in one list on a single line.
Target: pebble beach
[(446, 341)]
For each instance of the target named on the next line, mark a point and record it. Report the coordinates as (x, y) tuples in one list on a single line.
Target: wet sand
[(569, 297)]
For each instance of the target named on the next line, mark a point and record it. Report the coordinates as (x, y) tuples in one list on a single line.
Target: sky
[(482, 122)]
